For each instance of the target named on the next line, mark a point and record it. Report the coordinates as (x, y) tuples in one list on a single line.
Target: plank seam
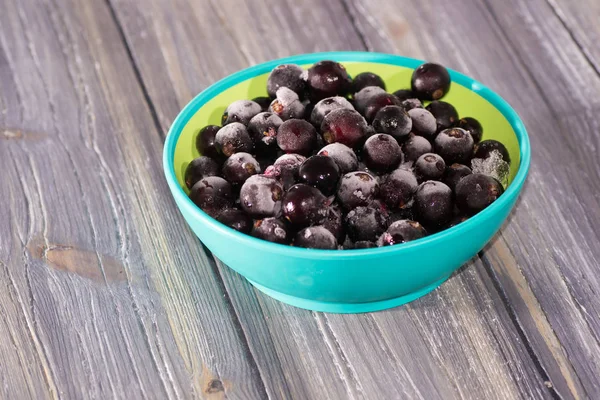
[(355, 25), (136, 71)]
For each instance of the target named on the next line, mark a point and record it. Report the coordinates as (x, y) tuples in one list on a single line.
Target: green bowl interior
[(467, 102)]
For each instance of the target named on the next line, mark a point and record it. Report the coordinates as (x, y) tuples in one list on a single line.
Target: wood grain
[(97, 300)]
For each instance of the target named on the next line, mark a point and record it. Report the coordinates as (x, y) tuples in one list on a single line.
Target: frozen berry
[(415, 147), (325, 106), (365, 79), (455, 145), (457, 220), (402, 213), (321, 172), (398, 188), (404, 94), (409, 104), (260, 196), (472, 126), (327, 79), (401, 232), (377, 102), (344, 126), (199, 168), (343, 156), (205, 141), (382, 153), (494, 166), (272, 229), (430, 81), (240, 111), (364, 244), (477, 191), (357, 189), (285, 169), (287, 104), (485, 148), (263, 131), (433, 204), (362, 98), (334, 223), (297, 136), (393, 120), (290, 76), (212, 194), (233, 138), (423, 123), (429, 166), (315, 237), (235, 219), (263, 102), (445, 114), (454, 173), (239, 167), (304, 205), (365, 223)]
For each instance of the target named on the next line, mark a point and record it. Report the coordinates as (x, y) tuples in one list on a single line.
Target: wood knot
[(214, 386)]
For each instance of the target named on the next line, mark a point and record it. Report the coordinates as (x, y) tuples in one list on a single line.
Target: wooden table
[(105, 292)]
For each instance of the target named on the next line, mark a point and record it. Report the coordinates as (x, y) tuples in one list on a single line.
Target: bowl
[(347, 281)]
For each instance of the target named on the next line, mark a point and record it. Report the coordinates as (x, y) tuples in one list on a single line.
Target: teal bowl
[(348, 281)]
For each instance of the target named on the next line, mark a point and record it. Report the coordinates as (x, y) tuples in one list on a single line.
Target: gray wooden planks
[(97, 299)]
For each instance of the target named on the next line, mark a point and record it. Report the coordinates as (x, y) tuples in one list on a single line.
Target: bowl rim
[(341, 56)]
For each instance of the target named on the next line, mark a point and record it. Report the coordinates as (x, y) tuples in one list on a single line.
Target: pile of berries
[(330, 162)]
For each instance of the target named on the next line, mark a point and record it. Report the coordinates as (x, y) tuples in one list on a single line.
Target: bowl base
[(347, 308)]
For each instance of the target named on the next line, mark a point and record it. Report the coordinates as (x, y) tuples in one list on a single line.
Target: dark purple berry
[(485, 148), (423, 123), (239, 167), (290, 76), (205, 142), (377, 102), (272, 229), (235, 219), (321, 172), (285, 169), (415, 147), (325, 106), (445, 114), (343, 156), (393, 120), (398, 188), (364, 244), (404, 94), (401, 232), (263, 102), (361, 99), (433, 204), (233, 138), (429, 166), (344, 126), (297, 136), (287, 105), (315, 237), (365, 223), (455, 145), (304, 205), (357, 189), (334, 223), (261, 196), (240, 111), (454, 173), (263, 131), (409, 104), (430, 81), (199, 168), (472, 126), (402, 213), (457, 220), (477, 191), (327, 79), (212, 194), (382, 153), (365, 79)]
